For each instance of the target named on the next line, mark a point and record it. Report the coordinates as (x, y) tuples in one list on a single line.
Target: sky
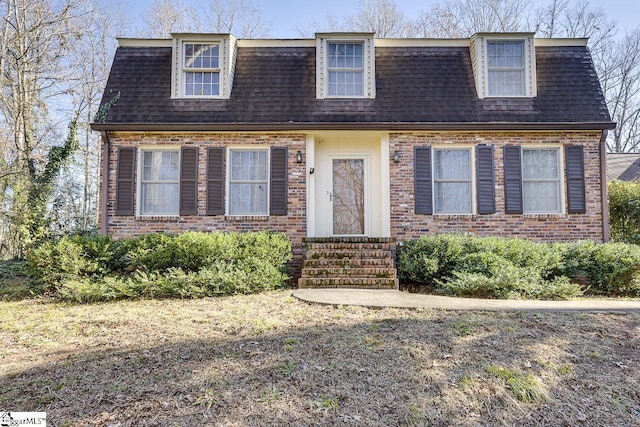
[(285, 16)]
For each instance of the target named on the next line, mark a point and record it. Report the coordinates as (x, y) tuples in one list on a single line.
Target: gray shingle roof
[(413, 85)]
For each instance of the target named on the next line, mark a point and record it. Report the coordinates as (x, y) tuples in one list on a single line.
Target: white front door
[(348, 195)]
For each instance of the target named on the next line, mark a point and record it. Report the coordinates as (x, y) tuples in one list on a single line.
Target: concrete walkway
[(390, 298)]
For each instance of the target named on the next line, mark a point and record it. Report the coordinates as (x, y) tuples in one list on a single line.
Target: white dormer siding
[(345, 65), (203, 65), (504, 65)]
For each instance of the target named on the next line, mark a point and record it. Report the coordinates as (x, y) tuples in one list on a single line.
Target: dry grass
[(271, 360)]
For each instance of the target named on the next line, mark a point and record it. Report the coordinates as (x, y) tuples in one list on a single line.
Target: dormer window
[(201, 69), (345, 65), (345, 69), (203, 65), (504, 65)]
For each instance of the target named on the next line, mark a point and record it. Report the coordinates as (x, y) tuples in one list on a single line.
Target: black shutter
[(422, 180), (574, 159), (485, 180), (189, 181), (125, 181), (279, 184), (215, 181), (512, 180)]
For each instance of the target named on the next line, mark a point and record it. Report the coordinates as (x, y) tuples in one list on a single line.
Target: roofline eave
[(378, 126)]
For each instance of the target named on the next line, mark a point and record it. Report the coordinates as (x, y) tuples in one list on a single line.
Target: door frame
[(366, 181)]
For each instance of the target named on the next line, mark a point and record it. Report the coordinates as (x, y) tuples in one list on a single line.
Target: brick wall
[(293, 224), (406, 224)]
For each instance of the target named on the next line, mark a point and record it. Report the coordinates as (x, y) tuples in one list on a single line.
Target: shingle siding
[(414, 84)]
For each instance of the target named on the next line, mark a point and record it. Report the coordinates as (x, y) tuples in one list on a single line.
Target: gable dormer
[(504, 65), (202, 65), (345, 65)]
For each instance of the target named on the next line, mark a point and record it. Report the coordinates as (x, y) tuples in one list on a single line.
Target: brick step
[(349, 262), (347, 253), (348, 282), (348, 240), (348, 246), (349, 272)]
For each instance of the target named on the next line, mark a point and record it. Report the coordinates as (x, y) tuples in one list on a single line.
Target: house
[(347, 142), (623, 166)]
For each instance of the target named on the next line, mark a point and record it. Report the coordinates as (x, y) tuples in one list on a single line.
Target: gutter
[(382, 126), (104, 191), (606, 228)]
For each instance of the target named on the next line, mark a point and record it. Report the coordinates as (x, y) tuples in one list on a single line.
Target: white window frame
[(471, 180), (340, 70), (521, 69), (267, 183), (322, 63), (226, 63), (560, 179), (141, 181), (214, 70), (478, 48)]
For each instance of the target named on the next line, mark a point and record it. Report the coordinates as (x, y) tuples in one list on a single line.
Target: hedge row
[(496, 267), (192, 264)]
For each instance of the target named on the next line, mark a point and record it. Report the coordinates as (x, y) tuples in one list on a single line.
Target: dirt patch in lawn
[(269, 359)]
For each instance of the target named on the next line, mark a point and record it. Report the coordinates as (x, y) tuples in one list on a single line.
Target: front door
[(348, 196)]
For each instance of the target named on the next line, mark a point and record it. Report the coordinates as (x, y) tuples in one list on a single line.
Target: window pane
[(345, 83), (541, 197), (540, 164), (506, 83), (541, 180), (201, 55), (159, 199), (452, 197), (161, 165), (501, 56), (248, 165), (248, 199), (452, 164), (202, 83)]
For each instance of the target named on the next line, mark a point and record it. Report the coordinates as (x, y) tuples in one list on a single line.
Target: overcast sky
[(287, 15)]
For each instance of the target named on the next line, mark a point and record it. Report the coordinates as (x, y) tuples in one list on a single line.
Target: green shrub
[(496, 267), (191, 265), (624, 211), (608, 269)]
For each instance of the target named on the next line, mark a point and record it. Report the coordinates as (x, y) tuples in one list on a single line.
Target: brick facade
[(293, 224), (405, 224)]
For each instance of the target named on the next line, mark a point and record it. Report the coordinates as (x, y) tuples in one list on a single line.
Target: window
[(541, 180), (201, 69), (345, 69), (160, 182), (505, 63), (248, 182), (452, 181)]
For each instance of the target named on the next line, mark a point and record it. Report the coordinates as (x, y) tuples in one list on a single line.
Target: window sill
[(246, 217), (157, 217), (543, 215), (454, 216)]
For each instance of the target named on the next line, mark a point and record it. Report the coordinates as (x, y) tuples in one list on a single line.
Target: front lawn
[(268, 359)]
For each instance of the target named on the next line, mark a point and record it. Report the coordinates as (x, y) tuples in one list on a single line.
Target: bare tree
[(167, 16), (382, 17), (330, 23), (242, 18), (549, 18), (462, 18), (621, 85), (34, 37)]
